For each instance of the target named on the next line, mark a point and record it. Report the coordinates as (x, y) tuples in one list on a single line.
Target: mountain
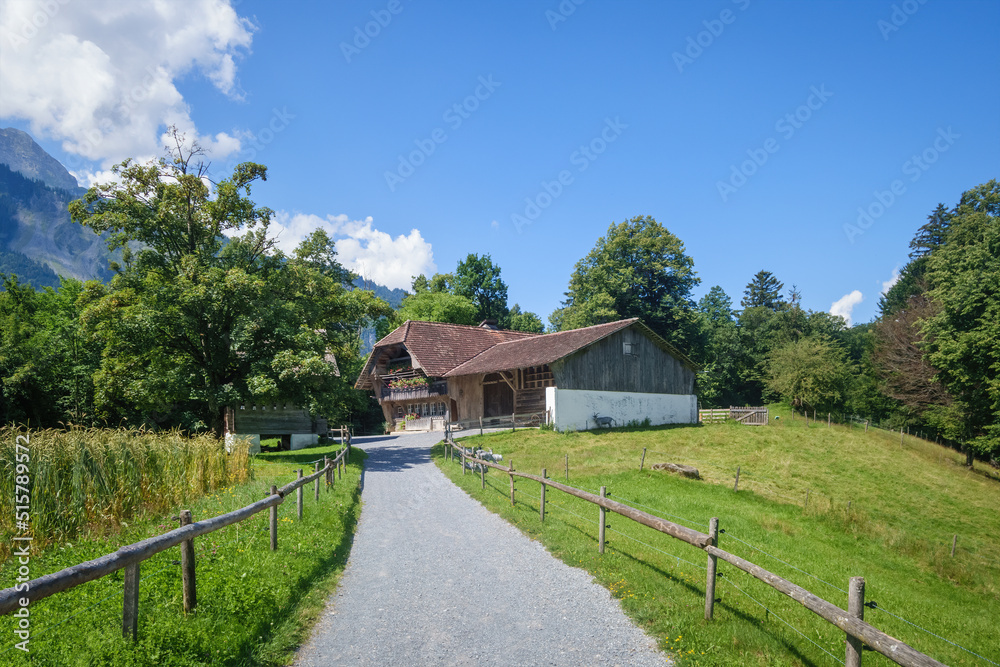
[(394, 297), (20, 152), (37, 238)]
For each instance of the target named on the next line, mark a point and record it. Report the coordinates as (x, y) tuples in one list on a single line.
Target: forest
[(203, 311)]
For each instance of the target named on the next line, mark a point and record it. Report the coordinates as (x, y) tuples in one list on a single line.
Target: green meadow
[(876, 508)]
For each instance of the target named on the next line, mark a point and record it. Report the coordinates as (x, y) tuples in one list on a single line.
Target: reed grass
[(88, 479)]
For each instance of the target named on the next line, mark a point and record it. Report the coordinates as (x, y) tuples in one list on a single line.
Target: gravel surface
[(436, 579)]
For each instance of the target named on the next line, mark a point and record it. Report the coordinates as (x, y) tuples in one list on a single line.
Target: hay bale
[(679, 468)]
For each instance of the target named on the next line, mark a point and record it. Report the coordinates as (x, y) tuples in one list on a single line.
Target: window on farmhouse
[(629, 349)]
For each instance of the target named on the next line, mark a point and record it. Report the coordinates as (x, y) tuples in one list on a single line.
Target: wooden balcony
[(439, 388)]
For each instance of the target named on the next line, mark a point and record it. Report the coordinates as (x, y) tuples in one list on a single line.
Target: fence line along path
[(435, 578)]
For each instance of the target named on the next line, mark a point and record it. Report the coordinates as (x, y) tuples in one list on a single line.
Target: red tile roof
[(437, 347), (538, 350)]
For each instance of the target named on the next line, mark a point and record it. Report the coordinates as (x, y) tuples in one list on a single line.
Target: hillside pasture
[(906, 505)]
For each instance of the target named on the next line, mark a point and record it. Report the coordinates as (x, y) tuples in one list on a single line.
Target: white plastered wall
[(303, 440), (254, 442), (575, 408)]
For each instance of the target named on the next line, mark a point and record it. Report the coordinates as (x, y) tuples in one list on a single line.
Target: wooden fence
[(512, 421), (131, 556), (754, 416), (851, 621)]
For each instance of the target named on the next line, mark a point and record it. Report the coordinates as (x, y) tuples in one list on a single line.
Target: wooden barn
[(613, 373)]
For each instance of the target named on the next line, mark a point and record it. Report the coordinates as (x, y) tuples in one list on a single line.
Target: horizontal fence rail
[(130, 556), (852, 625)]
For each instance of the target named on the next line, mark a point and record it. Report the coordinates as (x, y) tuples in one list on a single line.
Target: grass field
[(906, 504), (254, 606)]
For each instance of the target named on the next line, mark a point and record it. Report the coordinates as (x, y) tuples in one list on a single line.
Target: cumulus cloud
[(844, 306), (100, 75), (371, 253), (887, 285)]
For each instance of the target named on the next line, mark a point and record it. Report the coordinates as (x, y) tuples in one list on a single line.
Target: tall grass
[(97, 479)]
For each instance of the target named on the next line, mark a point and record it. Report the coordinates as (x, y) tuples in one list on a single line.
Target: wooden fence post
[(713, 564), (601, 520), (828, 415), (480, 426), (866, 426), (513, 422), (511, 469), (482, 476), (736, 486), (298, 497), (856, 608), (130, 607), (900, 437), (463, 460), (326, 476), (954, 543), (340, 467), (187, 567), (643, 459), (316, 483), (541, 502), (274, 521)]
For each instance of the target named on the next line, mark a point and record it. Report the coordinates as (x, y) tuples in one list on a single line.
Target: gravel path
[(406, 600)]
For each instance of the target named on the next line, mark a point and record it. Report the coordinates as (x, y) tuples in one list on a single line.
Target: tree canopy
[(478, 279), (204, 312), (638, 269), (764, 291)]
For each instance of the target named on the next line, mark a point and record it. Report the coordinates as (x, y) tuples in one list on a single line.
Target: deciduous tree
[(638, 269)]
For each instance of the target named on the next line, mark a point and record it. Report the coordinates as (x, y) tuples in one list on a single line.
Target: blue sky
[(754, 131)]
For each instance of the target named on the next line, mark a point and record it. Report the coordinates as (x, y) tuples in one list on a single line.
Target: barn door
[(498, 400)]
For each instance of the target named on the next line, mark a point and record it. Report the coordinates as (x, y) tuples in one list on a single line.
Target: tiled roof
[(438, 347), (537, 350)]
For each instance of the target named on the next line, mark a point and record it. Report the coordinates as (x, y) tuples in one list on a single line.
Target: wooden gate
[(749, 416)]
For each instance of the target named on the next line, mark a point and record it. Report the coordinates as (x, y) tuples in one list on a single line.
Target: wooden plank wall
[(605, 367), (467, 392), (272, 419)]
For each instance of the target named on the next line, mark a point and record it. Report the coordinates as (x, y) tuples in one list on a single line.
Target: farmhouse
[(425, 374)]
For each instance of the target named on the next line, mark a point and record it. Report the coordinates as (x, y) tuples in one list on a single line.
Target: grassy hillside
[(906, 503)]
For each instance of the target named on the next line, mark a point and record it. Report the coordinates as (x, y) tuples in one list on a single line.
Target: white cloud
[(100, 75), (371, 253), (887, 285), (845, 305), (495, 225)]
